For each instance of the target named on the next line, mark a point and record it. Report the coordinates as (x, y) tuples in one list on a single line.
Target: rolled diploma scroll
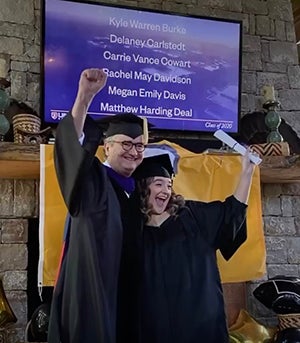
[(233, 144)]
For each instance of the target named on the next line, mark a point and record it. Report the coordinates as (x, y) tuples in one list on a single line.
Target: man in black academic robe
[(95, 296)]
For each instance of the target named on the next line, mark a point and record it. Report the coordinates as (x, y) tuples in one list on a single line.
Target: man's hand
[(91, 82)]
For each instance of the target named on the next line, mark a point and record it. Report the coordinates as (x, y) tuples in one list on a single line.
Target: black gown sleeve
[(223, 224), (75, 165)]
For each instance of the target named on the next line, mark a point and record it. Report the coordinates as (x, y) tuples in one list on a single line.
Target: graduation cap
[(158, 165), (126, 124)]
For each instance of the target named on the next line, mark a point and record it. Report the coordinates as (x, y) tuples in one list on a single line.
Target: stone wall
[(18, 203), (269, 57), (281, 215)]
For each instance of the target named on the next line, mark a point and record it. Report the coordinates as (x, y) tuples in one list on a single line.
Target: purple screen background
[(79, 36)]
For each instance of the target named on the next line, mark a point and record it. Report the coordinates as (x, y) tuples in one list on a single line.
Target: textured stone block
[(13, 257), (294, 250), (276, 250), (287, 206), (25, 202), (6, 198), (280, 9), (283, 269), (15, 280), (272, 190), (296, 205), (279, 226), (280, 30), (11, 11), (14, 231), (252, 61), (262, 25), (254, 7), (290, 99), (271, 206), (283, 52), (292, 188)]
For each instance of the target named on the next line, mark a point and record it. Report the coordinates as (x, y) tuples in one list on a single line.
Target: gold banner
[(200, 177)]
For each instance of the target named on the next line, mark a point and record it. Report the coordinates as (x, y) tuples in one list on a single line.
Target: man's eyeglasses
[(127, 145)]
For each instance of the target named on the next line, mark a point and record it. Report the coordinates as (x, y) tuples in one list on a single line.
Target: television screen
[(181, 72)]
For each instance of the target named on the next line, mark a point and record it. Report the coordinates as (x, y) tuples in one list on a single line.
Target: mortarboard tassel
[(145, 130)]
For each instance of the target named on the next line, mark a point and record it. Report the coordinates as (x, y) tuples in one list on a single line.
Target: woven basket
[(286, 321), (27, 123), (272, 149)]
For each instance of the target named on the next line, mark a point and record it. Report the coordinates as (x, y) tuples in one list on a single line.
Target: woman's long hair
[(175, 203)]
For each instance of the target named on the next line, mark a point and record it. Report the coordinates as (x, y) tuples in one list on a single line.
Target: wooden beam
[(19, 161), (280, 169), (10, 169), (22, 161), (16, 151)]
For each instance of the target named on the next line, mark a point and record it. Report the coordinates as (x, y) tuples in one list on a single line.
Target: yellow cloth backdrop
[(200, 177)]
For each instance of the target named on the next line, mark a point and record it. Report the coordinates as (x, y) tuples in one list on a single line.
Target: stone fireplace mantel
[(20, 161)]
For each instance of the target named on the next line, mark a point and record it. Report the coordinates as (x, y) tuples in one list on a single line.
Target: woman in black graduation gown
[(182, 299)]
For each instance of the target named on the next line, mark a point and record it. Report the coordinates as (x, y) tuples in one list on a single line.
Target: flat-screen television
[(182, 72)]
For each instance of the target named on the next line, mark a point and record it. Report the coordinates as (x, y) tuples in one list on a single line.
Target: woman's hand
[(243, 189), (247, 165)]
